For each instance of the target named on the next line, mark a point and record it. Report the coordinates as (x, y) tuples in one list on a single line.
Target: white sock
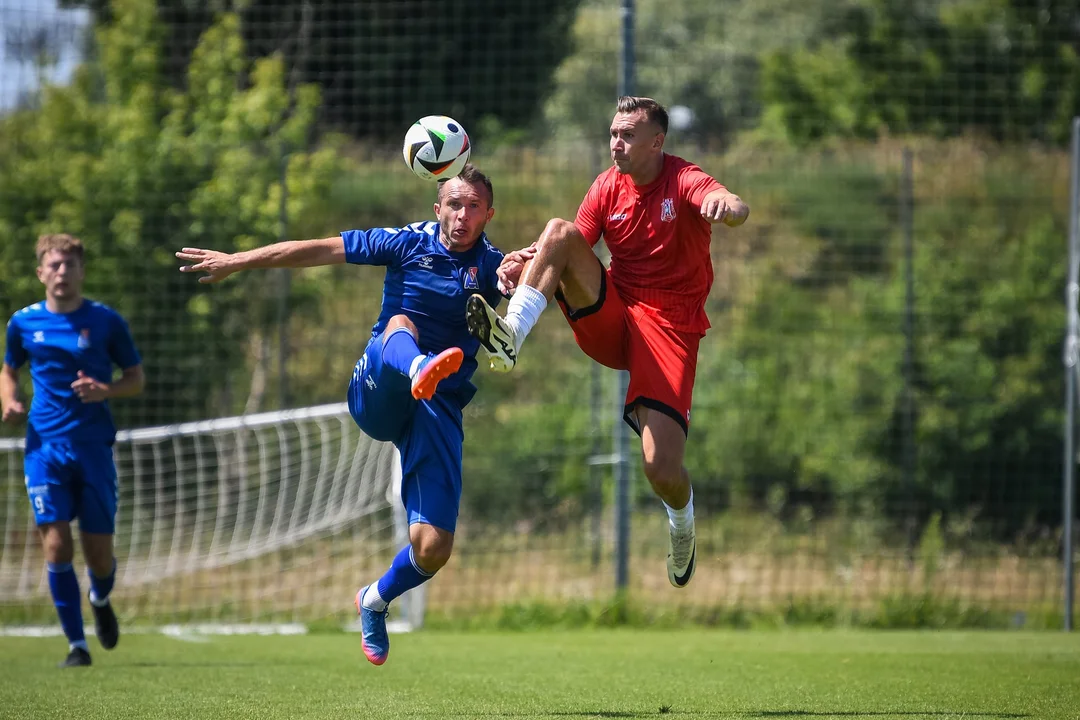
[(415, 367), (372, 600), (683, 518), (79, 644), (524, 311), (98, 602)]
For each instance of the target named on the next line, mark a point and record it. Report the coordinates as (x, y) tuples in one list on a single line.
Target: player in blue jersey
[(413, 380), (72, 345)]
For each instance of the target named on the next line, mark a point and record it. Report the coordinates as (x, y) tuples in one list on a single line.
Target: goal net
[(270, 518)]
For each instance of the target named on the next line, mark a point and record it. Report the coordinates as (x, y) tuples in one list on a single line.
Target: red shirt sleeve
[(590, 214), (695, 184)]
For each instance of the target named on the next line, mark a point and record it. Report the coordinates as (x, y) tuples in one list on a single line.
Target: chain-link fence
[(877, 418)]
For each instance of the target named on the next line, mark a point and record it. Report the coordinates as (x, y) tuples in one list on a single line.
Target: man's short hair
[(60, 241), (654, 111), (473, 176)]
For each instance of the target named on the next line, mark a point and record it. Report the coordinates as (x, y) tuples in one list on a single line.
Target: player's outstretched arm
[(11, 410), (289, 254), (721, 206)]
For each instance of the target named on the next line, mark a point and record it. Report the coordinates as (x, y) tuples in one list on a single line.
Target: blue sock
[(64, 585), (101, 587), (400, 350), (403, 575)]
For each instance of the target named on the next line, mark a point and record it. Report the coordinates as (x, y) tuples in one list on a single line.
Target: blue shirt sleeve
[(15, 354), (377, 246), (121, 347)]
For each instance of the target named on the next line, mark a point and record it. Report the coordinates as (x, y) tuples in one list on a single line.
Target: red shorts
[(662, 361)]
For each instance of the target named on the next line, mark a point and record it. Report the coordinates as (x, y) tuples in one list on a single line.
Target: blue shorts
[(66, 481), (428, 434)]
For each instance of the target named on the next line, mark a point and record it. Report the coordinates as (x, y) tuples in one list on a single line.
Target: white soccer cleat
[(493, 333), (681, 557)]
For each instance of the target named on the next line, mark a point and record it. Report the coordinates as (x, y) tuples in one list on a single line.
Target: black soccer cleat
[(493, 333), (76, 658), (105, 625)]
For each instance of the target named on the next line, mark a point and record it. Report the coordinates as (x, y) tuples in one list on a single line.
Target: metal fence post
[(1072, 291)]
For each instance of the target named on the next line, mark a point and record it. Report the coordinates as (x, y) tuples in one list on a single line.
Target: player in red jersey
[(646, 313)]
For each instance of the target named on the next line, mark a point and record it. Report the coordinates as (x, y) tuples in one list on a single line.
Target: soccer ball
[(436, 147)]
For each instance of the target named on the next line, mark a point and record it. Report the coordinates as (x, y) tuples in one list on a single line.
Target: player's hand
[(513, 263), (14, 413), (90, 390), (721, 207), (715, 209), (215, 264)]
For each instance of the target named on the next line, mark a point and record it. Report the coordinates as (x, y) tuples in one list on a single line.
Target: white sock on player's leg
[(524, 311), (682, 518), (372, 600), (415, 367)]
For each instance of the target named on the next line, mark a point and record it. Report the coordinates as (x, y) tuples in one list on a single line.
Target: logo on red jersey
[(667, 210), (471, 283)]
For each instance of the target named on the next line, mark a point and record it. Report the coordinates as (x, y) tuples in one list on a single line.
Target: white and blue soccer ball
[(436, 147)]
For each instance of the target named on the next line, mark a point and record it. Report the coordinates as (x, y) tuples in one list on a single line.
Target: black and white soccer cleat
[(493, 333)]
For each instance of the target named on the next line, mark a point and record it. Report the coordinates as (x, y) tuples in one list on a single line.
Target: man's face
[(463, 213), (62, 275), (634, 141)]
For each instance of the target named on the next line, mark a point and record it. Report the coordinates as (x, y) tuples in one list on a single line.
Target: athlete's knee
[(56, 542), (663, 468), (398, 321), (432, 550), (98, 552), (558, 234)]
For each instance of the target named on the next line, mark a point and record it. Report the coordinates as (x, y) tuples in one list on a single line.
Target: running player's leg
[(431, 492), (97, 523), (401, 351), (662, 367), (53, 508), (564, 264)]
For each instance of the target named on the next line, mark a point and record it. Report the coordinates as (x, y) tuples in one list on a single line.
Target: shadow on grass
[(880, 713), (193, 664), (670, 712)]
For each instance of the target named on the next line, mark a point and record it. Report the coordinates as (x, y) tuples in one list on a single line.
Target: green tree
[(1008, 69), (138, 170), (381, 64), (800, 389), (703, 54)]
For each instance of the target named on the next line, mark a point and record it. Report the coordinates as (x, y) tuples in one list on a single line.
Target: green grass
[(557, 674)]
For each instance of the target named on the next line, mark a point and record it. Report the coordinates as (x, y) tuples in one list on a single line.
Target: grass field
[(547, 674)]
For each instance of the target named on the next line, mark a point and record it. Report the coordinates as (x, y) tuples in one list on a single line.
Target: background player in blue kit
[(413, 380), (72, 345)]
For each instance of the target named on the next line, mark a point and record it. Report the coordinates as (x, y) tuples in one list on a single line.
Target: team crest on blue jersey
[(84, 338), (667, 210), (471, 283)]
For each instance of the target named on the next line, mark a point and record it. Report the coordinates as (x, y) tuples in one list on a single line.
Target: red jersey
[(659, 242)]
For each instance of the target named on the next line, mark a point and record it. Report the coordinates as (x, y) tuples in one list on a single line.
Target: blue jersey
[(59, 345), (429, 284)]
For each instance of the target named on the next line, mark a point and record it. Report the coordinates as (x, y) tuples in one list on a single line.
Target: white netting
[(272, 516)]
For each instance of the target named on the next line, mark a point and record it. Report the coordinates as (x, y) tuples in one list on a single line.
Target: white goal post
[(271, 517)]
